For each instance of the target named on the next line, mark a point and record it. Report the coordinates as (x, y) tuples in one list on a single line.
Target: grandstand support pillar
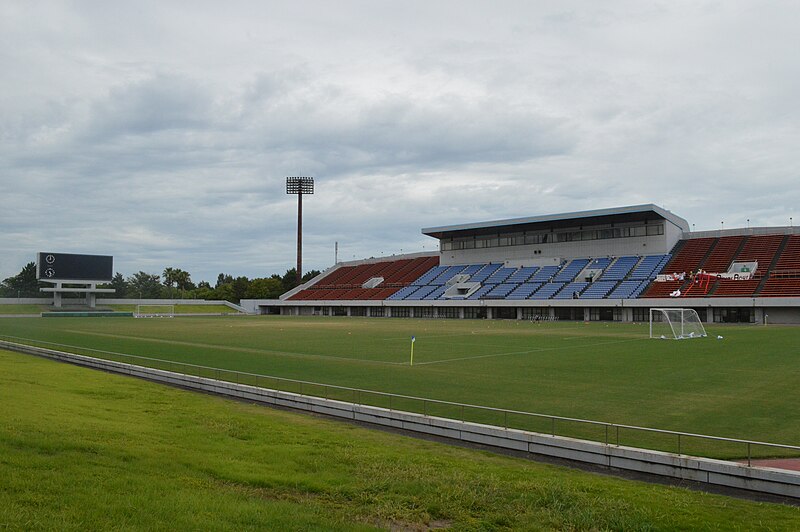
[(489, 313), (586, 314), (519, 313), (461, 313), (349, 313)]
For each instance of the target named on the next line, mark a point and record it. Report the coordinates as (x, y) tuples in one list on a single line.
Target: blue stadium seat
[(547, 290), (545, 274), (626, 289), (403, 293), (522, 275), (421, 293), (571, 289), (619, 269), (571, 270), (598, 289), (481, 291), (430, 275), (484, 273), (524, 291), (448, 274), (500, 275), (646, 267), (500, 291)]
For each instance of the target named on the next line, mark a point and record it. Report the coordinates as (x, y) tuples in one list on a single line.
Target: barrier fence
[(683, 443)]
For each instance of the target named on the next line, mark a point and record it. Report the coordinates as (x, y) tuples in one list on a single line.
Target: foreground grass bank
[(87, 450)]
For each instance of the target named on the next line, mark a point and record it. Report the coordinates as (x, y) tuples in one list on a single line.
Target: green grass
[(744, 386), (87, 450)]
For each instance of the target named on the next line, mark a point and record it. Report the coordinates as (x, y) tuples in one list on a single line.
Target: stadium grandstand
[(600, 265)]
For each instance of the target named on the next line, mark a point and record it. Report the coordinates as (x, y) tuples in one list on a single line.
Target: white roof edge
[(667, 215)]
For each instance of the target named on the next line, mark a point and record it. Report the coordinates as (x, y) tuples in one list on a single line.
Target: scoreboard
[(70, 267)]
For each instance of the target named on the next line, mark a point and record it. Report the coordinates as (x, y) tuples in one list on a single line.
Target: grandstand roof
[(632, 213)]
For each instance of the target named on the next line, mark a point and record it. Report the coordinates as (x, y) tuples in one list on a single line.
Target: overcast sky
[(162, 134)]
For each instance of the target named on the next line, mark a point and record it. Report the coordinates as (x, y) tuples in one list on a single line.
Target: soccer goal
[(154, 311), (675, 323)]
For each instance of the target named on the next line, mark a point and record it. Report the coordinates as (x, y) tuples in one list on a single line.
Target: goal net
[(154, 311), (675, 323)]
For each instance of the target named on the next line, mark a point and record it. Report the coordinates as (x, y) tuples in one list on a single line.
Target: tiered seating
[(524, 291), (784, 280), (687, 258), (472, 269), (547, 290), (430, 276), (481, 291), (628, 289), (413, 270), (500, 275), (571, 270), (448, 274), (439, 292), (600, 264), (619, 269), (722, 255), (484, 273), (789, 260), (571, 290), (781, 287), (500, 291), (648, 266), (403, 293), (761, 249), (395, 274), (736, 288), (598, 289), (523, 274), (421, 292), (545, 274)]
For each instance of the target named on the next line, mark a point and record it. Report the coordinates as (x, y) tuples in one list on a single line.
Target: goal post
[(154, 311), (675, 323)]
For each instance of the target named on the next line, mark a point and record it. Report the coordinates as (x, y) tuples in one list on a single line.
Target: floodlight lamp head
[(299, 185)]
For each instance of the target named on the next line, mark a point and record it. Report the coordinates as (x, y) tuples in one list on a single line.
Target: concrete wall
[(715, 472)]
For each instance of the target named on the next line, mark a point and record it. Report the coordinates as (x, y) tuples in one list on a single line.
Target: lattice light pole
[(299, 186)]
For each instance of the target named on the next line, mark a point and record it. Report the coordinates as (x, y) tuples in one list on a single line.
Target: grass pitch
[(743, 386), (87, 450)]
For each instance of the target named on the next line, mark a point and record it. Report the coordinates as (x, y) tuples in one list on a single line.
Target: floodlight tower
[(299, 186)]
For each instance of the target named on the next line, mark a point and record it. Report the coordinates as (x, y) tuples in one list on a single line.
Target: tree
[(144, 285), (262, 288), (289, 279), (223, 279), (169, 278), (183, 280), (240, 286), (24, 284), (119, 284)]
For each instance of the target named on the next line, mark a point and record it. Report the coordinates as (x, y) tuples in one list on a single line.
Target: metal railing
[(734, 449)]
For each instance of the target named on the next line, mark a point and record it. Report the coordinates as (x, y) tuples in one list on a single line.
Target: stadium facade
[(599, 265)]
